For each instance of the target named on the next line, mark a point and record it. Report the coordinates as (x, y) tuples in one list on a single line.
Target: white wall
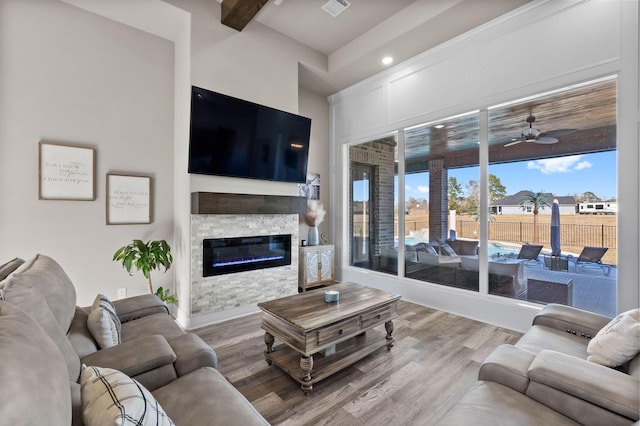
[(256, 64), (69, 76), (316, 106), (485, 67)]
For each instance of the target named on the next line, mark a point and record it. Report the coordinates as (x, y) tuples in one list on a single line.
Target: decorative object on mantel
[(313, 218), (128, 199), (66, 172), (147, 257)]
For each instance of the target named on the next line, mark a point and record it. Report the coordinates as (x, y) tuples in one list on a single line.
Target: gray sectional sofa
[(550, 377), (46, 342)]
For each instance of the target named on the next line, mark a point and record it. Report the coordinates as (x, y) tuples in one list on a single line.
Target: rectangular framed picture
[(311, 189), (128, 199), (66, 172)]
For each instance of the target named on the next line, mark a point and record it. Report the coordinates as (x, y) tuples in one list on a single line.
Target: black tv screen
[(238, 138)]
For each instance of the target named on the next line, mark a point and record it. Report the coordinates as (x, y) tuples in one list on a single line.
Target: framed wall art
[(128, 199), (311, 189), (66, 172)]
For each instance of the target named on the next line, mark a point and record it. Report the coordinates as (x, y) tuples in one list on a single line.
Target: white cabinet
[(316, 266)]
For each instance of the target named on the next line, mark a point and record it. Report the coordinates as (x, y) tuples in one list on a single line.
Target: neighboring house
[(511, 204)]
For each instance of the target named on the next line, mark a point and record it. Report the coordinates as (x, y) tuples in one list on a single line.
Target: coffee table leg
[(306, 363), (268, 339), (389, 327)]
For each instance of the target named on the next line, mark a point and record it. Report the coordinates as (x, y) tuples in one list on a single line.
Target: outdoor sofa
[(571, 367), (455, 263), (62, 364)]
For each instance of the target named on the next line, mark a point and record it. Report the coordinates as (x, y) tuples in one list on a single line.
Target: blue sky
[(569, 175)]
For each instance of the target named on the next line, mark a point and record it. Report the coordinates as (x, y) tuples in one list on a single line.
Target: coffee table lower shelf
[(347, 353)]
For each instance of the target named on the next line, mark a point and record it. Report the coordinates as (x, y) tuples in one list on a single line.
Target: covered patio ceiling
[(587, 113)]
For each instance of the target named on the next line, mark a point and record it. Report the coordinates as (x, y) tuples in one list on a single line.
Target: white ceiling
[(356, 40)]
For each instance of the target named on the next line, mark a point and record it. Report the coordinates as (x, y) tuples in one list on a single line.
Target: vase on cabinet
[(313, 236)]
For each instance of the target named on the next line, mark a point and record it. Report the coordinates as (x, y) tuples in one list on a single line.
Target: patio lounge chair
[(591, 257), (529, 253)]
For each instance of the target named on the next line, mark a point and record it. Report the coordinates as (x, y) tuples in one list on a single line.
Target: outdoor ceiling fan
[(533, 135)]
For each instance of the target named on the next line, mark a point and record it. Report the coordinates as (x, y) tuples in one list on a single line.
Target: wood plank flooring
[(433, 363)]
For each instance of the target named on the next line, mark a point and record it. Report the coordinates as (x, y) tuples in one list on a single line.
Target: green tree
[(536, 200), (496, 189), (588, 197), (454, 194), (471, 204)]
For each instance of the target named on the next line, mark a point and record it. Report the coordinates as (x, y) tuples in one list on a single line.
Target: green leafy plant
[(145, 257), (536, 201), (165, 295)]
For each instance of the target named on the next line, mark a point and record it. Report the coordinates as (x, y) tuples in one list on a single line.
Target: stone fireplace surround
[(217, 215)]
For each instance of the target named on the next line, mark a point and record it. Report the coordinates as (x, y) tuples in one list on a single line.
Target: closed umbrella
[(555, 228)]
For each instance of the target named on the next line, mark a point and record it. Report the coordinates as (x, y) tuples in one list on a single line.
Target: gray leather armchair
[(545, 378)]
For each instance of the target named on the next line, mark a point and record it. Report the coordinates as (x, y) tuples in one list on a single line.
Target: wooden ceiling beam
[(238, 13)]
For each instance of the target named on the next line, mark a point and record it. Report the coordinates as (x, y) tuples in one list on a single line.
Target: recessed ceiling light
[(439, 126), (387, 60)]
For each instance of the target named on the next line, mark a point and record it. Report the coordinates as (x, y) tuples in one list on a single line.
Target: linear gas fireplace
[(229, 255)]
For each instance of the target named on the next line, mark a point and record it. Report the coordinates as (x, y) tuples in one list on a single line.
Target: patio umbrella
[(555, 229)]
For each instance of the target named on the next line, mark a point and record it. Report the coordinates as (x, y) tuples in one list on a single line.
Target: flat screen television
[(238, 138)]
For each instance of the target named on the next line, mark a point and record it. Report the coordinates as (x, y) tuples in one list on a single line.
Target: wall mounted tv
[(233, 137)]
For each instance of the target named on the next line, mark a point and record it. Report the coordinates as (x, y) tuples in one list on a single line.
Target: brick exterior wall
[(381, 155), (224, 292), (438, 200)]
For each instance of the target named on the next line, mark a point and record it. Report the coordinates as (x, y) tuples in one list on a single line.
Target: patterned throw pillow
[(110, 397), (103, 322), (618, 341)]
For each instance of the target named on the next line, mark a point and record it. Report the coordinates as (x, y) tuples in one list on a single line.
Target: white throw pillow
[(618, 341), (110, 397), (103, 322)]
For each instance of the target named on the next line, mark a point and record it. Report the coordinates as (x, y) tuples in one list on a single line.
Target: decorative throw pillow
[(110, 397), (618, 341), (103, 322), (446, 250)]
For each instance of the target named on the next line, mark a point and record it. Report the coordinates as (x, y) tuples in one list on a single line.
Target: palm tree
[(537, 200)]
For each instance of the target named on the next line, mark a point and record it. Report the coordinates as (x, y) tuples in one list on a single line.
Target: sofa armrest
[(134, 307), (508, 366), (134, 357), (601, 386), (192, 353), (572, 320)]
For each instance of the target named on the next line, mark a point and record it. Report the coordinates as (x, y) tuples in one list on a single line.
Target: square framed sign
[(66, 172), (128, 199)]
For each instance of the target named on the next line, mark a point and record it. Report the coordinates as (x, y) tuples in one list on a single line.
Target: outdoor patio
[(591, 289)]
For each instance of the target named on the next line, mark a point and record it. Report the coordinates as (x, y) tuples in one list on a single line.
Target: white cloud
[(559, 165), (423, 189), (583, 165)]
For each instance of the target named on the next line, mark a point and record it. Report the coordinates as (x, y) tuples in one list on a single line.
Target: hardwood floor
[(434, 362)]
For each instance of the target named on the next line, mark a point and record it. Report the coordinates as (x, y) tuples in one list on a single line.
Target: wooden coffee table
[(321, 338)]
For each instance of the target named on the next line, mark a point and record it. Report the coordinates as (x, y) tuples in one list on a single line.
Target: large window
[(373, 205), (556, 148), (441, 183)]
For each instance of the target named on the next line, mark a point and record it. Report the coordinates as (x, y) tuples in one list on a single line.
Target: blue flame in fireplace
[(246, 261)]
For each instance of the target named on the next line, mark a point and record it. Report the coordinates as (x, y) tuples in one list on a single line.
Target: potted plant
[(147, 257)]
